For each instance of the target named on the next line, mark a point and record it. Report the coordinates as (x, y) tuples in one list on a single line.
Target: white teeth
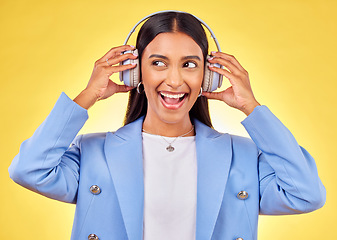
[(173, 95)]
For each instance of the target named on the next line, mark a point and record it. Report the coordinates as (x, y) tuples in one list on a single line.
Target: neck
[(168, 129)]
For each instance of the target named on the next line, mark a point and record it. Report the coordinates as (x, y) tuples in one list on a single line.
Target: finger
[(121, 58), (230, 66), (116, 51), (223, 72), (234, 80), (230, 58), (120, 68)]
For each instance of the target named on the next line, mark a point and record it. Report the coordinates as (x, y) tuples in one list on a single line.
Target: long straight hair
[(163, 23)]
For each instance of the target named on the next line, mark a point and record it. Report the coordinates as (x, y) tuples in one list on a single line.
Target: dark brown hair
[(163, 23)]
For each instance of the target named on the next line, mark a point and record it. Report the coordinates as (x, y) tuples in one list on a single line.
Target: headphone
[(131, 77)]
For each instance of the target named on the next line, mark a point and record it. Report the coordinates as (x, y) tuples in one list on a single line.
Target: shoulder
[(89, 138), (211, 133), (242, 141), (126, 132), (244, 145), (238, 144), (93, 136)]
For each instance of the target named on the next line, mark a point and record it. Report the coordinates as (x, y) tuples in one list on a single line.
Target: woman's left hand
[(240, 94)]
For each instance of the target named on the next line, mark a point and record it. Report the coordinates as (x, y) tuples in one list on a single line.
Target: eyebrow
[(158, 56), (192, 57), (164, 57)]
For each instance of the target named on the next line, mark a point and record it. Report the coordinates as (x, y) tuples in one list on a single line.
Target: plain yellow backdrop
[(288, 47)]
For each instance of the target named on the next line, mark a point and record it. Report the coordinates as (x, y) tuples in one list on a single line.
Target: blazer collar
[(124, 155), (214, 155)]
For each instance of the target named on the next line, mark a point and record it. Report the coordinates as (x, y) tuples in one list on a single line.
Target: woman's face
[(172, 73)]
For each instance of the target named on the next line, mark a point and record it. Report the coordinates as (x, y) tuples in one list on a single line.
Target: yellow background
[(288, 47)]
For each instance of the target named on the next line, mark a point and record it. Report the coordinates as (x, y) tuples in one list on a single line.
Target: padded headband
[(148, 16)]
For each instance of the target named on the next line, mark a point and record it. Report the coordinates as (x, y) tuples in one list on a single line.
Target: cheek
[(150, 82), (195, 81), (152, 79)]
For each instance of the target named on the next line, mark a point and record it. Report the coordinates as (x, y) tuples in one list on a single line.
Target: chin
[(174, 118)]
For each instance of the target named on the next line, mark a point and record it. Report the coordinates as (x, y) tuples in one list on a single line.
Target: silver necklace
[(170, 148)]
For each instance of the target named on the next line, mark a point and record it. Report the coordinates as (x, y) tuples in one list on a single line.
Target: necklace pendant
[(170, 148)]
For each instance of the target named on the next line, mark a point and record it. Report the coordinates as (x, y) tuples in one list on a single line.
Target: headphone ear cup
[(130, 77), (212, 80)]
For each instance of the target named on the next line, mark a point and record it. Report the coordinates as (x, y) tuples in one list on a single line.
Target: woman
[(167, 174)]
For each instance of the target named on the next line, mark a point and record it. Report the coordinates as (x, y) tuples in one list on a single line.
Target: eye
[(158, 63), (190, 65)]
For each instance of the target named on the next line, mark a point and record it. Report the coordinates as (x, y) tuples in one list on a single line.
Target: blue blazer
[(238, 178)]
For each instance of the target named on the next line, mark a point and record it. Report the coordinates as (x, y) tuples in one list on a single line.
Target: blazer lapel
[(123, 150), (214, 156)]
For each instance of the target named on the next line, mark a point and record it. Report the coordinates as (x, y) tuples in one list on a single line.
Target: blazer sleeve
[(46, 164), (289, 181)]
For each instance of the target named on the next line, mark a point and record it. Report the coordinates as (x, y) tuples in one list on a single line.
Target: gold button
[(94, 189), (93, 237), (242, 195)]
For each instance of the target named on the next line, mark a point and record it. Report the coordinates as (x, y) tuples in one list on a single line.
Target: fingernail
[(132, 46), (211, 58), (213, 52), (135, 54), (133, 64)]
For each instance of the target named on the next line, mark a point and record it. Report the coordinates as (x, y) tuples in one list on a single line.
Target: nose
[(174, 78)]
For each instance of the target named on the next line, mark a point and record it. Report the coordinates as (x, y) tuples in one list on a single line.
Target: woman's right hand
[(100, 86)]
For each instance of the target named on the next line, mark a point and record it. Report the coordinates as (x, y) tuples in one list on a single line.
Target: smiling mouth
[(172, 100)]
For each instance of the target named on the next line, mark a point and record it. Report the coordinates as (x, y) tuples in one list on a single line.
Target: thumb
[(213, 95), (123, 88), (115, 88)]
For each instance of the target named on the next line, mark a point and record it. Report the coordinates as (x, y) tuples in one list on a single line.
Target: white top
[(170, 188)]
